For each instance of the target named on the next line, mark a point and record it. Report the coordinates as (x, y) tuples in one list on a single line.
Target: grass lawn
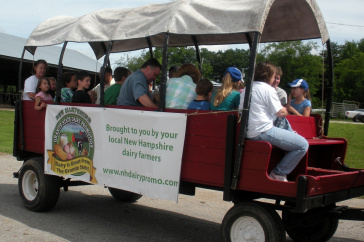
[(354, 133), (6, 131)]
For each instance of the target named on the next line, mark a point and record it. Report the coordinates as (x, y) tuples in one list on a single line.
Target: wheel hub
[(247, 229), (30, 185)]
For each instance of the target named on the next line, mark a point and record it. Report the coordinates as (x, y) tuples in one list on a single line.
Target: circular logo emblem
[(73, 143)]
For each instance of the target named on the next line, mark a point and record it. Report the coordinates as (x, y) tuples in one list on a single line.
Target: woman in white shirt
[(265, 107), (39, 70)]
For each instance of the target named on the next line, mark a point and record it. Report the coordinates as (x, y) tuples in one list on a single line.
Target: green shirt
[(231, 102), (111, 94)]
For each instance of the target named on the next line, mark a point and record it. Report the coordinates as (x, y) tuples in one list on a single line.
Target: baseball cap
[(234, 73), (299, 83)]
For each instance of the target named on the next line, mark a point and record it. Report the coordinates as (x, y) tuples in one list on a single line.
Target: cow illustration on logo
[(73, 144)]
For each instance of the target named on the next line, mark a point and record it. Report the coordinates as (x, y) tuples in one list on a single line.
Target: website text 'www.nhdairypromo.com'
[(141, 178)]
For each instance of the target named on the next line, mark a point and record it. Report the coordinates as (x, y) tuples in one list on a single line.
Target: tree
[(349, 84), (297, 61)]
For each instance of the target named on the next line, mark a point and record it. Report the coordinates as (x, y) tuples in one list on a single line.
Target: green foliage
[(6, 131), (349, 84), (135, 62)]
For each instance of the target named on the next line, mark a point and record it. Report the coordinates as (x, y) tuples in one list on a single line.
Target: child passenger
[(83, 83), (70, 85), (227, 97), (203, 91), (42, 93), (301, 104), (52, 89)]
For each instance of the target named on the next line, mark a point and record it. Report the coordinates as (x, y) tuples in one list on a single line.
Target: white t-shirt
[(30, 85), (97, 90), (282, 95), (263, 107)]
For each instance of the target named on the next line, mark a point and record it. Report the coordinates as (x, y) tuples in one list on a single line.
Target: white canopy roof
[(212, 22)]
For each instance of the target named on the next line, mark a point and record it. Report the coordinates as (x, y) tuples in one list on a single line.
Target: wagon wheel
[(311, 226), (39, 192), (356, 118), (251, 221)]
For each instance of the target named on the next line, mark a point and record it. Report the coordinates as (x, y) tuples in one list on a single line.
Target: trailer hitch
[(343, 166)]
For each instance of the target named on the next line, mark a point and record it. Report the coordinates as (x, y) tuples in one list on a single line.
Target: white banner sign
[(137, 151)]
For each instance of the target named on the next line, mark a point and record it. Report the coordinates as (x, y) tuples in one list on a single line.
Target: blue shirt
[(199, 105), (133, 88), (301, 106)]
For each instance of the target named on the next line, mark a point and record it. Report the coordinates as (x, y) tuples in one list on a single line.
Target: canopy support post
[(329, 87), (102, 72), (20, 75), (162, 88), (249, 39), (18, 122), (151, 54), (245, 112), (198, 53), (59, 74), (150, 47)]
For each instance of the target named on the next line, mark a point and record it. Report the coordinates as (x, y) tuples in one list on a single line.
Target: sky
[(344, 18)]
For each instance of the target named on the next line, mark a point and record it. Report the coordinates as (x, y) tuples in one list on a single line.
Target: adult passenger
[(112, 93), (39, 70), (282, 95), (227, 97), (264, 108), (135, 91), (96, 90), (180, 91)]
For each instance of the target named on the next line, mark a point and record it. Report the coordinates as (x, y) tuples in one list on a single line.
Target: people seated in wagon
[(203, 91), (300, 104), (135, 90), (227, 97), (180, 90), (264, 108)]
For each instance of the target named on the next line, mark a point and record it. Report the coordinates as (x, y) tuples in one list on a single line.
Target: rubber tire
[(39, 192), (124, 196), (356, 118), (255, 217), (322, 230)]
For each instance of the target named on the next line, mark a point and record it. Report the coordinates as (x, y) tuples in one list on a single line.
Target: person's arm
[(293, 111), (93, 96), (31, 95), (38, 104), (146, 102), (282, 113), (307, 111)]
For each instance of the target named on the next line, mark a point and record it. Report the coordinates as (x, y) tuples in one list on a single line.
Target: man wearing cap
[(300, 104)]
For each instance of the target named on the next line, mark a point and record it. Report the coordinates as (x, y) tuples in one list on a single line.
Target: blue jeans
[(295, 145)]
